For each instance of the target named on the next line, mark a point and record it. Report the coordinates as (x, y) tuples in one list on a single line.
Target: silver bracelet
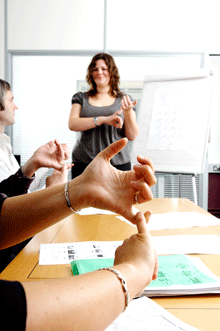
[(66, 192), (123, 284), (95, 121)]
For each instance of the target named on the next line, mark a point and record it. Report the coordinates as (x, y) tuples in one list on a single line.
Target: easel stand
[(194, 188)]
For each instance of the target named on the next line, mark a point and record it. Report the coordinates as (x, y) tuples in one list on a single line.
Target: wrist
[(123, 284), (136, 281), (77, 198), (128, 111), (102, 120), (29, 168), (99, 120), (95, 120)]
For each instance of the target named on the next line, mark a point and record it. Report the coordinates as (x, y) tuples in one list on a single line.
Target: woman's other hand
[(127, 104), (115, 120), (138, 252)]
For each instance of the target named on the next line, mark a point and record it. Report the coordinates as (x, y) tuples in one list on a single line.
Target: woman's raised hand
[(127, 104), (115, 120)]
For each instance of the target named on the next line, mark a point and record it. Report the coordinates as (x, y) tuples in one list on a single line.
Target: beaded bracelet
[(66, 192), (123, 284)]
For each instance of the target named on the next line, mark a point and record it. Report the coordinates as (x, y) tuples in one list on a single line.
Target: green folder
[(83, 266)]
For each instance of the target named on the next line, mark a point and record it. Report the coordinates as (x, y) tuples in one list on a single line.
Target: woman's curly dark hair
[(113, 72)]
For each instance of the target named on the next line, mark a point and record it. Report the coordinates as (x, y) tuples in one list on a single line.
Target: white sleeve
[(39, 174), (7, 168)]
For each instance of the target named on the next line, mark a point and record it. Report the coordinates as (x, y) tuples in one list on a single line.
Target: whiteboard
[(173, 121)]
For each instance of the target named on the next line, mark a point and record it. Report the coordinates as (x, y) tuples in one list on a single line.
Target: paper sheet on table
[(176, 220), (143, 314), (97, 211), (64, 253), (187, 244)]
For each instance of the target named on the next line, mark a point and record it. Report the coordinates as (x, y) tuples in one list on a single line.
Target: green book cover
[(179, 270), (83, 266)]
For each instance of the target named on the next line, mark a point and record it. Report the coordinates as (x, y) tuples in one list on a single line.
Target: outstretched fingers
[(145, 161), (145, 173), (127, 103), (143, 192), (113, 149)]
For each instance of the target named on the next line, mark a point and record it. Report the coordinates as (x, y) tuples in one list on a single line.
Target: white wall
[(157, 24), (2, 40), (55, 24), (132, 25)]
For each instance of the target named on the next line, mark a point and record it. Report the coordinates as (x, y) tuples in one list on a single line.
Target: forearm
[(130, 124), (100, 186), (87, 302), (79, 124), (25, 215)]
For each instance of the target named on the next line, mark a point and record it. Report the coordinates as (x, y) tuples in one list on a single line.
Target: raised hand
[(127, 104), (115, 120), (50, 155), (103, 186)]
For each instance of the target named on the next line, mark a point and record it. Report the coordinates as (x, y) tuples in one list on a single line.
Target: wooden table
[(202, 312)]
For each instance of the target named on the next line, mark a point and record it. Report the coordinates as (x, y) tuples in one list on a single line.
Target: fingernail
[(147, 215), (137, 165)]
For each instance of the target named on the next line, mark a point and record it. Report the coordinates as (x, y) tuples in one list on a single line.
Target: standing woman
[(102, 115)]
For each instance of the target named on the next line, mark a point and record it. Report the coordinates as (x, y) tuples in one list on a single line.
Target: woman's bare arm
[(101, 186), (93, 301)]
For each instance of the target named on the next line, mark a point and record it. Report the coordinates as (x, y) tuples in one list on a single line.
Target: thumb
[(119, 111), (113, 149), (141, 222), (135, 102)]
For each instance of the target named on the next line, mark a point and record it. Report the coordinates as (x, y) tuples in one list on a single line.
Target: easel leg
[(194, 189)]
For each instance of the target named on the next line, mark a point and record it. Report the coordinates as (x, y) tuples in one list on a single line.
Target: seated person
[(91, 301), (50, 155), (8, 163)]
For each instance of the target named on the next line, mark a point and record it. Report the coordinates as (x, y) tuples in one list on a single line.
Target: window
[(44, 84)]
